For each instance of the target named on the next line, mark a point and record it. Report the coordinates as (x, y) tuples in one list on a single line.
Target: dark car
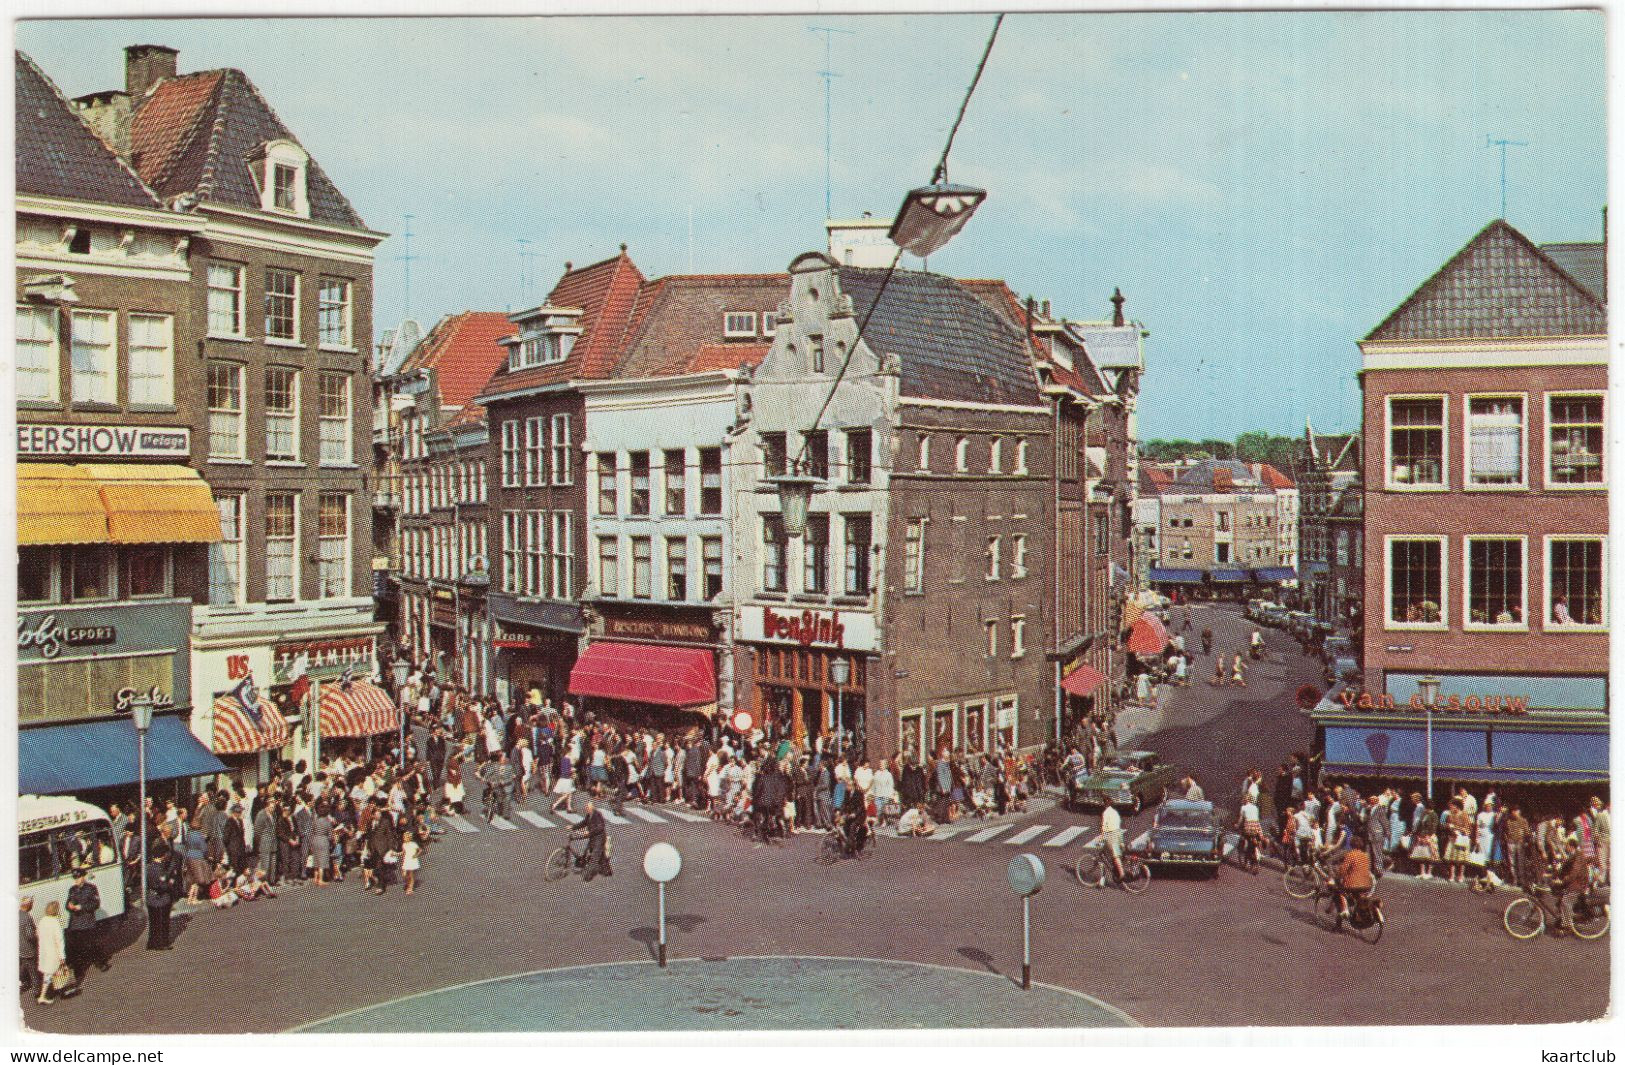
[(1186, 833)]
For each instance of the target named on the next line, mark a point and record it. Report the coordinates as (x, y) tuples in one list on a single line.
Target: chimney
[(144, 66)]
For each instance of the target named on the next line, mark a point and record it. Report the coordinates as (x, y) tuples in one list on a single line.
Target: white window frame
[(238, 296), (292, 415), (285, 153), (512, 551), (536, 553), (918, 713), (914, 556), (1522, 484), (327, 587), (922, 453), (293, 559), (50, 346), (562, 553), (561, 466), (952, 710), (962, 454), (1018, 636), (991, 625), (999, 704), (705, 563), (1556, 486), (240, 412), (535, 451), (223, 561), (1021, 456), (1018, 561), (609, 549), (1389, 483), (298, 286), (345, 431), (511, 449), (1467, 622), (995, 556), (965, 731), (1547, 624), (642, 584), (345, 308), (160, 356), (1443, 624), (109, 371), (995, 455), (738, 324)]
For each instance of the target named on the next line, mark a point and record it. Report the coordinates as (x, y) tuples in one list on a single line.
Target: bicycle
[(1525, 916), (1365, 913), (1094, 868), (1304, 881), (835, 847), (569, 858)]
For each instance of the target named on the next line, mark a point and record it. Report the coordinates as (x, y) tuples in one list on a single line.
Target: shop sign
[(324, 654), (1353, 699), (47, 634), (104, 441), (659, 629), (834, 629), (47, 637), (128, 699)]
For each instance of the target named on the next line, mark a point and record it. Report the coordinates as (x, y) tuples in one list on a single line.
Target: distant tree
[(1253, 447), (1218, 449)]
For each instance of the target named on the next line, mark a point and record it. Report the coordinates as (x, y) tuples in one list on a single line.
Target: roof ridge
[(211, 155), (71, 110)]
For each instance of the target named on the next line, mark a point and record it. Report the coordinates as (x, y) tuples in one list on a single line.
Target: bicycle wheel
[(1091, 868), (1524, 919), (1592, 922), (558, 864), (1373, 931), (829, 852), (1136, 876), (1299, 881)]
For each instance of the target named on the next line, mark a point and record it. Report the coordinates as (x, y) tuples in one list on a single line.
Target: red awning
[(362, 710), (646, 673), (1147, 636), (1083, 680), (236, 732)]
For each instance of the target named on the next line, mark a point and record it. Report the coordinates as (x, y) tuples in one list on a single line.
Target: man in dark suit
[(160, 899), (435, 750), (596, 833), (235, 839), (83, 946)]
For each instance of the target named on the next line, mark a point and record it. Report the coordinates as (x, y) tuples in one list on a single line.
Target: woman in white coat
[(53, 946)]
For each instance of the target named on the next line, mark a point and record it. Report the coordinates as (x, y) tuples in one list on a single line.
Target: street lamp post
[(1429, 688), (141, 717), (400, 670), (840, 672)]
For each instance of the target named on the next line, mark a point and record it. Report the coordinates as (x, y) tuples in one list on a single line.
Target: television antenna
[(405, 259), (1503, 144), (527, 279), (829, 76)]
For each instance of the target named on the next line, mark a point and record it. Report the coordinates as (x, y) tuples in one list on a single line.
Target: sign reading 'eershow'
[(104, 441)]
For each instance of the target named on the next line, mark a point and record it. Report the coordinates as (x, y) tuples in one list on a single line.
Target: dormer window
[(281, 172), (284, 180), (739, 324)]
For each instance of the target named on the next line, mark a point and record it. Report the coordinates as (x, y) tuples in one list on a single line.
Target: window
[(815, 555), (152, 360), (609, 566), (1342, 549), (773, 545), (677, 568), (818, 454), (1495, 586), (914, 556), (961, 455), (992, 628), (1018, 549), (1574, 435), (815, 353), (608, 490), (859, 455), (36, 575), (281, 547), (1185, 549), (79, 242), (858, 550), (90, 573), (1018, 637), (1021, 456), (922, 456), (281, 414), (1416, 443), (284, 186), (642, 567), (333, 313), (511, 550), (993, 553), (564, 554), (739, 324), (1223, 519), (225, 410), (676, 482), (1495, 441), (95, 357), (333, 546), (710, 480), (711, 555), (1103, 533), (639, 462), (1415, 581), (1574, 582), (225, 300), (510, 454), (563, 469), (995, 455), (773, 457), (225, 558), (281, 305), (1221, 552), (37, 373), (535, 552), (535, 444)]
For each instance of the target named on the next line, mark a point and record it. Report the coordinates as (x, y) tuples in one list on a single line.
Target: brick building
[(1486, 524), (1331, 526), (1219, 533)]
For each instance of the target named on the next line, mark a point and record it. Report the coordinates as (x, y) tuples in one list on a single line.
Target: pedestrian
[(1424, 837), (1376, 833), (28, 947), (410, 860), (161, 890), (321, 843), (1458, 830), (1236, 673), (83, 947), (1516, 835), (1602, 828), (454, 786), (564, 788), (195, 860), (52, 955), (1207, 641)]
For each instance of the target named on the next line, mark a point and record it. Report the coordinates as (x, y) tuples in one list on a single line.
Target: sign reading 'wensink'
[(104, 441), (842, 630)]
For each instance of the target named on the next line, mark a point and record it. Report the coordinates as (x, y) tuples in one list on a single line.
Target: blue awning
[(1176, 576), (1229, 576), (1460, 755), (103, 754), (1372, 749), (1579, 755), (1275, 573)]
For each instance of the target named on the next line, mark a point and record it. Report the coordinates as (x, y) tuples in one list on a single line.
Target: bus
[(57, 834)]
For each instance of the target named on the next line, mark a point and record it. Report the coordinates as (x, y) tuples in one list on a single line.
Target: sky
[(1264, 187)]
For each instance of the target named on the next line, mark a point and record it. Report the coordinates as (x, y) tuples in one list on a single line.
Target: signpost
[(1026, 876), (662, 863)]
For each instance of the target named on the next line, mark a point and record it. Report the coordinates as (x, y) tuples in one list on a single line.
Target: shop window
[(642, 567), (711, 550), (639, 461), (1416, 442), (1575, 583), (1416, 581), (710, 480), (36, 575), (91, 576), (975, 735), (1006, 730), (1574, 430), (676, 482), (1495, 441), (815, 554), (677, 569)]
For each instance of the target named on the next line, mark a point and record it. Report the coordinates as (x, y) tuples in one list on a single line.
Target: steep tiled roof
[(1154, 480), (948, 342), (1498, 286), (471, 414), (58, 155), (677, 323), (196, 134), (463, 352), (1220, 475), (1272, 477), (1587, 263)]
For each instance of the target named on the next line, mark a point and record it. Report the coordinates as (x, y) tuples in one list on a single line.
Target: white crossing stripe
[(986, 834), (948, 832), (1061, 839), (614, 818), (683, 814), (642, 814), (1140, 841), (459, 823), (503, 823), (535, 818), (1026, 834), (574, 819)]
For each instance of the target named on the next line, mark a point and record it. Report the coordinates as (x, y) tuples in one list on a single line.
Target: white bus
[(56, 834)]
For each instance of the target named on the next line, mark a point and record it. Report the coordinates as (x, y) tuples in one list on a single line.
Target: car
[(1187, 834), (1337, 647), (1128, 778), (1272, 614)]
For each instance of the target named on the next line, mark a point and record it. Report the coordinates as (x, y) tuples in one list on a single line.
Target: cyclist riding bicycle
[(1571, 877), (854, 827), (1111, 836), (1352, 880)]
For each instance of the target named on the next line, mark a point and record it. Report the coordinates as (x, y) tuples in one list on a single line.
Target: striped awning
[(361, 710), (235, 731)]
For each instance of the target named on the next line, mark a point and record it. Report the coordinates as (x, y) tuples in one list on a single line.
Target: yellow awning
[(58, 504), (113, 503)]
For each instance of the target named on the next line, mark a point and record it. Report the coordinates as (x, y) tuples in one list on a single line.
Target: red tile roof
[(718, 357), (167, 122), (677, 323), (471, 414), (463, 352), (1272, 477), (998, 296)]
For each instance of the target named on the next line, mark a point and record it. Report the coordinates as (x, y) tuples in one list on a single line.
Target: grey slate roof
[(59, 156), (1112, 347), (1586, 262), (1499, 286), (1199, 476), (948, 343)]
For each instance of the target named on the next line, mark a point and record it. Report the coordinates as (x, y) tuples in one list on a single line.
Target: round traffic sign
[(743, 721), (662, 863), (1026, 874)]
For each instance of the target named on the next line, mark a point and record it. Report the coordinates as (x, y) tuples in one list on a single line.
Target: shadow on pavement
[(980, 957), (650, 936)]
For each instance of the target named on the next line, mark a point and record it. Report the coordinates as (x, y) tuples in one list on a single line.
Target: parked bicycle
[(1526, 916), (1094, 868)]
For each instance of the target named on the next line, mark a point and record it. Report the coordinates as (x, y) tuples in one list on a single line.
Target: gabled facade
[(1330, 524)]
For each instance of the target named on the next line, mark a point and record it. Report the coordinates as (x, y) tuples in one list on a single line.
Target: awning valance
[(1176, 576), (59, 759), (1228, 576), (1270, 574), (237, 732), (113, 503), (362, 709), (646, 673), (1083, 681)]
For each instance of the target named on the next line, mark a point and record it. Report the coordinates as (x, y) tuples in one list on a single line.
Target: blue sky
[(1264, 187)]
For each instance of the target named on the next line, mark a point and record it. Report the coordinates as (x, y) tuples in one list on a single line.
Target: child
[(410, 850)]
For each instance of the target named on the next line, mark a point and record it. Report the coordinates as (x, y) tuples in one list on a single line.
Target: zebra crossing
[(631, 815), (1031, 835)]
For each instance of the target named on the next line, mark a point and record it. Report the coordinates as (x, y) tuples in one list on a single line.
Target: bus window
[(37, 858)]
